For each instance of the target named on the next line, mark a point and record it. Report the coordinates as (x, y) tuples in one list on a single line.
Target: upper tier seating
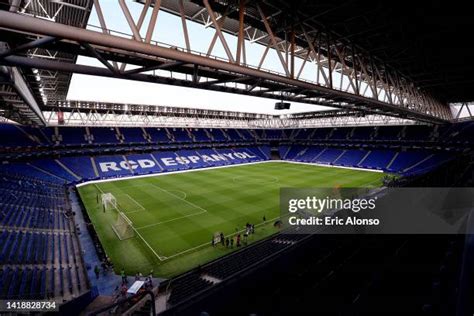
[(23, 136), (13, 136), (133, 135), (72, 136), (180, 135), (246, 134), (303, 134), (362, 133), (158, 135), (217, 135), (418, 132), (234, 135), (104, 135), (275, 134), (388, 133), (340, 133), (200, 135), (321, 133)]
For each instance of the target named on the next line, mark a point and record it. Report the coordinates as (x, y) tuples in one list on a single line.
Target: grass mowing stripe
[(181, 226), (171, 220), (180, 198), (228, 235), (138, 204)]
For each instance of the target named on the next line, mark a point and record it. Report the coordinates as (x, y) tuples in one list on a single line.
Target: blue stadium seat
[(104, 135), (378, 159), (158, 135), (328, 156), (51, 166), (133, 135), (73, 135), (200, 135), (13, 136), (181, 135), (351, 158), (81, 166), (217, 135)]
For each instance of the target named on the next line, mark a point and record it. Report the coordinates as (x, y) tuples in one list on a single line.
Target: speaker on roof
[(282, 106)]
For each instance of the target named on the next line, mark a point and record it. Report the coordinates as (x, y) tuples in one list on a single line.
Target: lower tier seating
[(406, 162), (40, 255)]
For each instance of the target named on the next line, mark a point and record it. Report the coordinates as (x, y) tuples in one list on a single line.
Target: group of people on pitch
[(238, 239)]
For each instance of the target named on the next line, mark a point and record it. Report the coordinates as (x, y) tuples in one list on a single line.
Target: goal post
[(123, 226), (108, 201)]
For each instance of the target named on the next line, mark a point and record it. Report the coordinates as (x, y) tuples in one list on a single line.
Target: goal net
[(108, 201), (123, 227)]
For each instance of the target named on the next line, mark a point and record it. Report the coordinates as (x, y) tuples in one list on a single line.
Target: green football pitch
[(176, 215)]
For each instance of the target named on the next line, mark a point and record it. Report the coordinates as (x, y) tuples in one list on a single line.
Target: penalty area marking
[(161, 258), (202, 210), (203, 245), (171, 220), (178, 197), (134, 201), (180, 192)]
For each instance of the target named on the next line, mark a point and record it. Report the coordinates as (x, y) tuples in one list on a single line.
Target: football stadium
[(236, 157)]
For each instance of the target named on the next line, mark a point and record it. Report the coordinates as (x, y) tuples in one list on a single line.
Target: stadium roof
[(428, 41), (426, 46)]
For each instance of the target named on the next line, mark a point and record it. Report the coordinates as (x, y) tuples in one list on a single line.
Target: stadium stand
[(181, 135), (104, 135), (13, 136), (218, 135), (71, 136), (39, 250), (145, 172), (158, 135), (401, 159), (40, 254), (377, 159), (134, 135), (200, 135)]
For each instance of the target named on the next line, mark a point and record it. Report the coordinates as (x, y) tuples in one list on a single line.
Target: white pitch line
[(161, 258), (180, 198), (179, 191), (171, 220), (98, 188), (131, 212), (202, 245), (141, 206)]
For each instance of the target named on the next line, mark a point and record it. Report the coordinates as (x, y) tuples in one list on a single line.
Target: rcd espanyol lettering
[(124, 164), (171, 161)]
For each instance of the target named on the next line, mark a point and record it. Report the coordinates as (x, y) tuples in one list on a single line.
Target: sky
[(169, 30)]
